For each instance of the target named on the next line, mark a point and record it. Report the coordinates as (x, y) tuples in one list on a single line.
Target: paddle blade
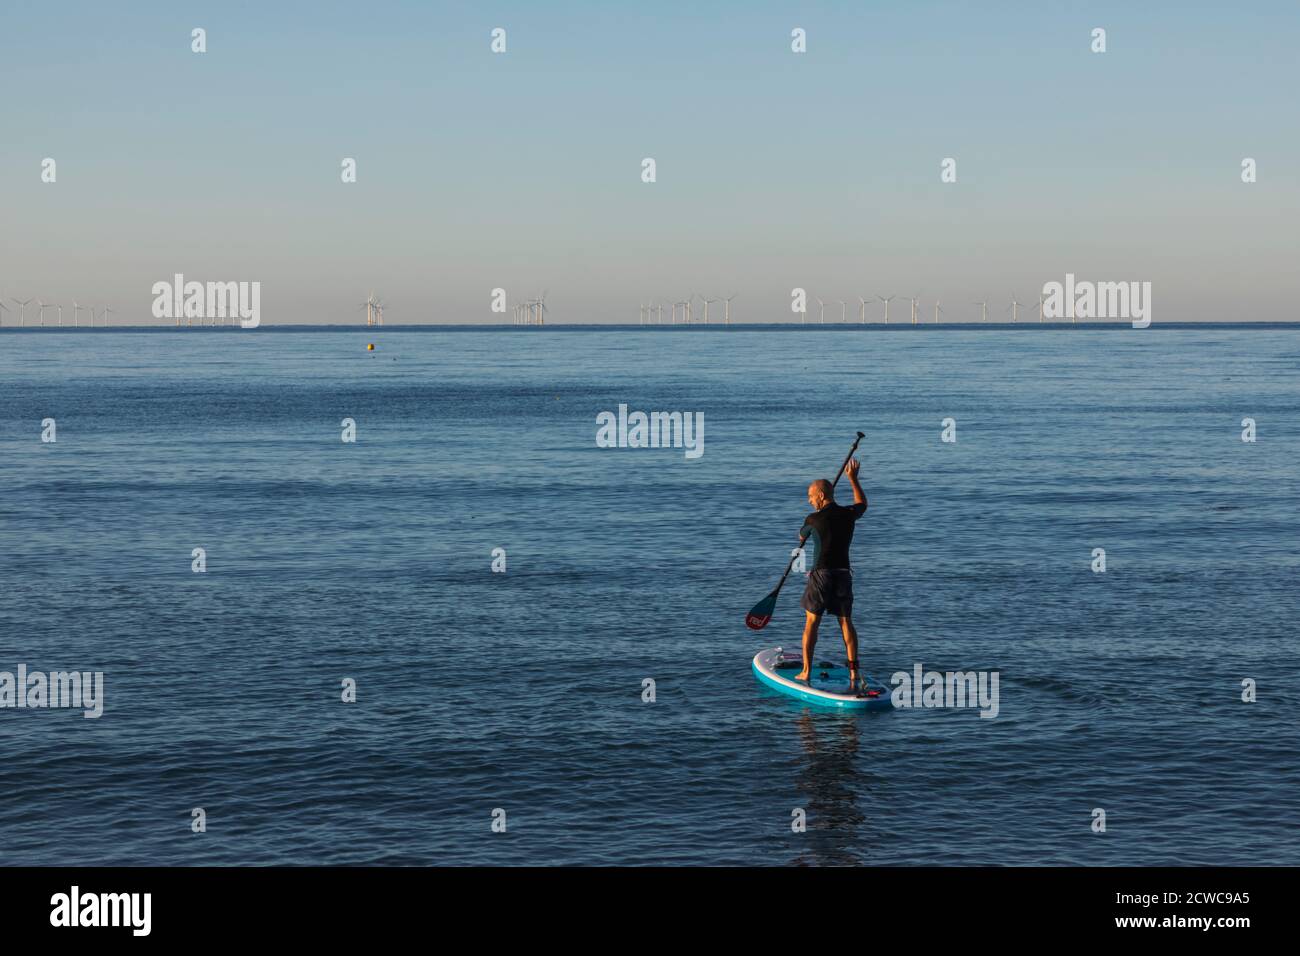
[(761, 613)]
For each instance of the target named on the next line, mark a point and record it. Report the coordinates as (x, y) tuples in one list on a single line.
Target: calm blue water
[(522, 690)]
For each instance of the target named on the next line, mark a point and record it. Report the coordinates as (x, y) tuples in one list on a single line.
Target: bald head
[(820, 494)]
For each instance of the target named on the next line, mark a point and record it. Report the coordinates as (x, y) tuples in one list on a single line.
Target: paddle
[(761, 612)]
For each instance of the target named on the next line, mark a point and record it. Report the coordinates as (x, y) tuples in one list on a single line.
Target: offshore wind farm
[(194, 304), (535, 311), (99, 315)]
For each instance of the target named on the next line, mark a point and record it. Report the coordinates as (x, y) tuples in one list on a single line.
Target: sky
[(775, 170)]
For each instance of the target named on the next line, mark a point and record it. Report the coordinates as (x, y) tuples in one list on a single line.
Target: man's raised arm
[(851, 470)]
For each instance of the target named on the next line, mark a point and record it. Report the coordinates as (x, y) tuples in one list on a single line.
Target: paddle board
[(828, 686)]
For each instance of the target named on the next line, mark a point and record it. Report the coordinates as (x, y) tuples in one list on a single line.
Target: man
[(830, 585)]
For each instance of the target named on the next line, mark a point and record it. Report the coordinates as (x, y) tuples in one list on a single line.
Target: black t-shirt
[(831, 531)]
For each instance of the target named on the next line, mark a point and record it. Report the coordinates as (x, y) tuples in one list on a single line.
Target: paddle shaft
[(804, 537)]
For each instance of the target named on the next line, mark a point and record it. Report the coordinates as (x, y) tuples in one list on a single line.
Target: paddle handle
[(847, 458)]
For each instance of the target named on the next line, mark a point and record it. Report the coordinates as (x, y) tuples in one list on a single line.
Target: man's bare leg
[(809, 643), (850, 647)]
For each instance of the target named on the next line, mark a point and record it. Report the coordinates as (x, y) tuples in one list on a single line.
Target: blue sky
[(775, 170)]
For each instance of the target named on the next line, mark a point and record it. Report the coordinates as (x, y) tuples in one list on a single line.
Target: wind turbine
[(690, 300), (727, 308), (984, 310), (886, 301), (862, 312), (1040, 308), (706, 308), (913, 299), (60, 308), (369, 306), (937, 310), (843, 314), (22, 310), (107, 310), (823, 308), (3, 309), (1015, 308), (43, 306)]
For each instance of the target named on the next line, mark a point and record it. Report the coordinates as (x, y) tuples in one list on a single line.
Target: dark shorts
[(829, 591)]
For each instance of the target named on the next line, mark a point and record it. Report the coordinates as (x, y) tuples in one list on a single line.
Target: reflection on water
[(833, 788)]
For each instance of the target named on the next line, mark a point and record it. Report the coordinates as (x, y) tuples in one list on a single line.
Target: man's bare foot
[(802, 675)]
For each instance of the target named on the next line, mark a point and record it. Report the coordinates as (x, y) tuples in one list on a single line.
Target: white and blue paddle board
[(828, 683)]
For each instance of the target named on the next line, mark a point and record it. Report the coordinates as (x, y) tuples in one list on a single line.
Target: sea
[(473, 635)]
